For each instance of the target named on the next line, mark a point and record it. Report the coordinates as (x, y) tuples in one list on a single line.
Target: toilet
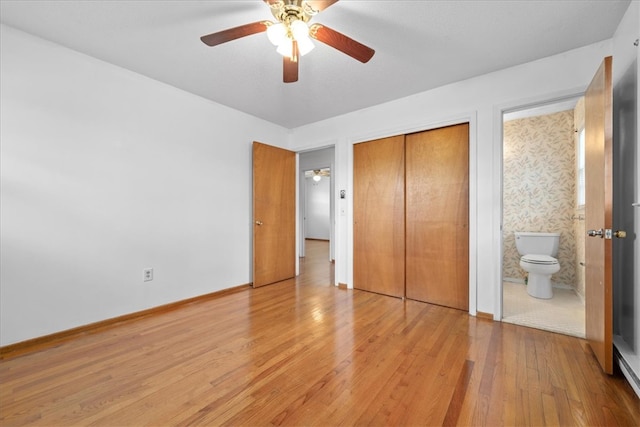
[(538, 251)]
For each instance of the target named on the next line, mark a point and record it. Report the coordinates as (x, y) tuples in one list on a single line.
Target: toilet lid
[(539, 259)]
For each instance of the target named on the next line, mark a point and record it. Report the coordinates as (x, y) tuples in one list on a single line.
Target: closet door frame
[(469, 118)]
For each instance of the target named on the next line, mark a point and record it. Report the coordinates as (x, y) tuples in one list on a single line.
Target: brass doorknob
[(620, 234), (258, 222)]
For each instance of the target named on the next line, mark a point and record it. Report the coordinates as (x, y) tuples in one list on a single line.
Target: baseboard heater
[(627, 371)]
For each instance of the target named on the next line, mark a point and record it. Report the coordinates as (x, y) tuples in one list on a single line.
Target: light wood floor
[(304, 352)]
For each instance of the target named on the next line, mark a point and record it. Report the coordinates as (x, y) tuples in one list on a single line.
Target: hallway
[(315, 267)]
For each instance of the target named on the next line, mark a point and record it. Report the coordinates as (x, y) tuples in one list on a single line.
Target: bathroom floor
[(564, 313)]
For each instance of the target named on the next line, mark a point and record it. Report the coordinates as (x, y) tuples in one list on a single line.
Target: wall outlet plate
[(147, 274)]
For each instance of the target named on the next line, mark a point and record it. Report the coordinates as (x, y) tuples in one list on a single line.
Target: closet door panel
[(437, 216), (378, 204)]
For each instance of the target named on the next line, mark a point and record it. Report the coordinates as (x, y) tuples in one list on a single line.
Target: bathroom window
[(580, 167)]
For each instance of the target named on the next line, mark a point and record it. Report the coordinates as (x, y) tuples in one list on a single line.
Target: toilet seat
[(539, 269), (539, 259)]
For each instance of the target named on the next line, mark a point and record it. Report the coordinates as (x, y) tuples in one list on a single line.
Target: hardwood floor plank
[(305, 352), (455, 404), (563, 408)]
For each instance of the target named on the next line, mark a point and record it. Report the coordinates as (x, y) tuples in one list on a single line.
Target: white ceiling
[(419, 45)]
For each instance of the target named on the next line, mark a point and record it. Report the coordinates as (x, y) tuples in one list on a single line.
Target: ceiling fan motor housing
[(292, 10)]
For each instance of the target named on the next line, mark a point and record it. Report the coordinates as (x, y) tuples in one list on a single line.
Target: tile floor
[(564, 313)]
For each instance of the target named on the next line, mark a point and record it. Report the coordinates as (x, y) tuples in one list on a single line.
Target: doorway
[(540, 193), (317, 209), (317, 199)]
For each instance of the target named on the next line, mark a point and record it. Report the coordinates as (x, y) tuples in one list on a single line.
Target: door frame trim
[(469, 117), (498, 156), (334, 238)]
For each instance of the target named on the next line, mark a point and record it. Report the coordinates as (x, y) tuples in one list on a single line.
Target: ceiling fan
[(291, 34), (317, 174)]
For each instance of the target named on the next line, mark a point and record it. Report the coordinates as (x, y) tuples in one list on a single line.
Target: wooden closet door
[(378, 213), (437, 216)]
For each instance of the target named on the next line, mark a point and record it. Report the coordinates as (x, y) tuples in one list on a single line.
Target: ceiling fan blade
[(290, 70), (290, 66), (341, 42), (235, 33), (320, 5)]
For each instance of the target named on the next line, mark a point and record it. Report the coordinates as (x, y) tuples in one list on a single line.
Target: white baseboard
[(553, 284)]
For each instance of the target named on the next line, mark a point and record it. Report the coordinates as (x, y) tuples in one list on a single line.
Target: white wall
[(106, 172), (317, 208), (479, 100)]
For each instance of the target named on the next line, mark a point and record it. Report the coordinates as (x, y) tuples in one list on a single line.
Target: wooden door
[(378, 214), (598, 215), (274, 209), (437, 216)]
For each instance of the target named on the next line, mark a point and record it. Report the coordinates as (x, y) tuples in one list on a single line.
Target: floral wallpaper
[(539, 188)]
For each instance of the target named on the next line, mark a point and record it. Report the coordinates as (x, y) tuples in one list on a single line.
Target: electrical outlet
[(147, 274)]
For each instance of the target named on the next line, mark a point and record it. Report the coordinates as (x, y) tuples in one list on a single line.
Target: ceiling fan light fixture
[(283, 35), (277, 34), (299, 30), (286, 48), (317, 178), (305, 45)]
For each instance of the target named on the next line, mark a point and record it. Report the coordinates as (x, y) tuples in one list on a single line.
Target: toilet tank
[(528, 242)]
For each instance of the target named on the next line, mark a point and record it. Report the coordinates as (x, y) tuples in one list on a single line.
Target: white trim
[(349, 216), (300, 232), (498, 119), (317, 146), (563, 286), (297, 214), (553, 284), (496, 244)]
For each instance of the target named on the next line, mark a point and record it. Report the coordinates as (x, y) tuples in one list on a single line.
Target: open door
[(598, 215), (274, 210)]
